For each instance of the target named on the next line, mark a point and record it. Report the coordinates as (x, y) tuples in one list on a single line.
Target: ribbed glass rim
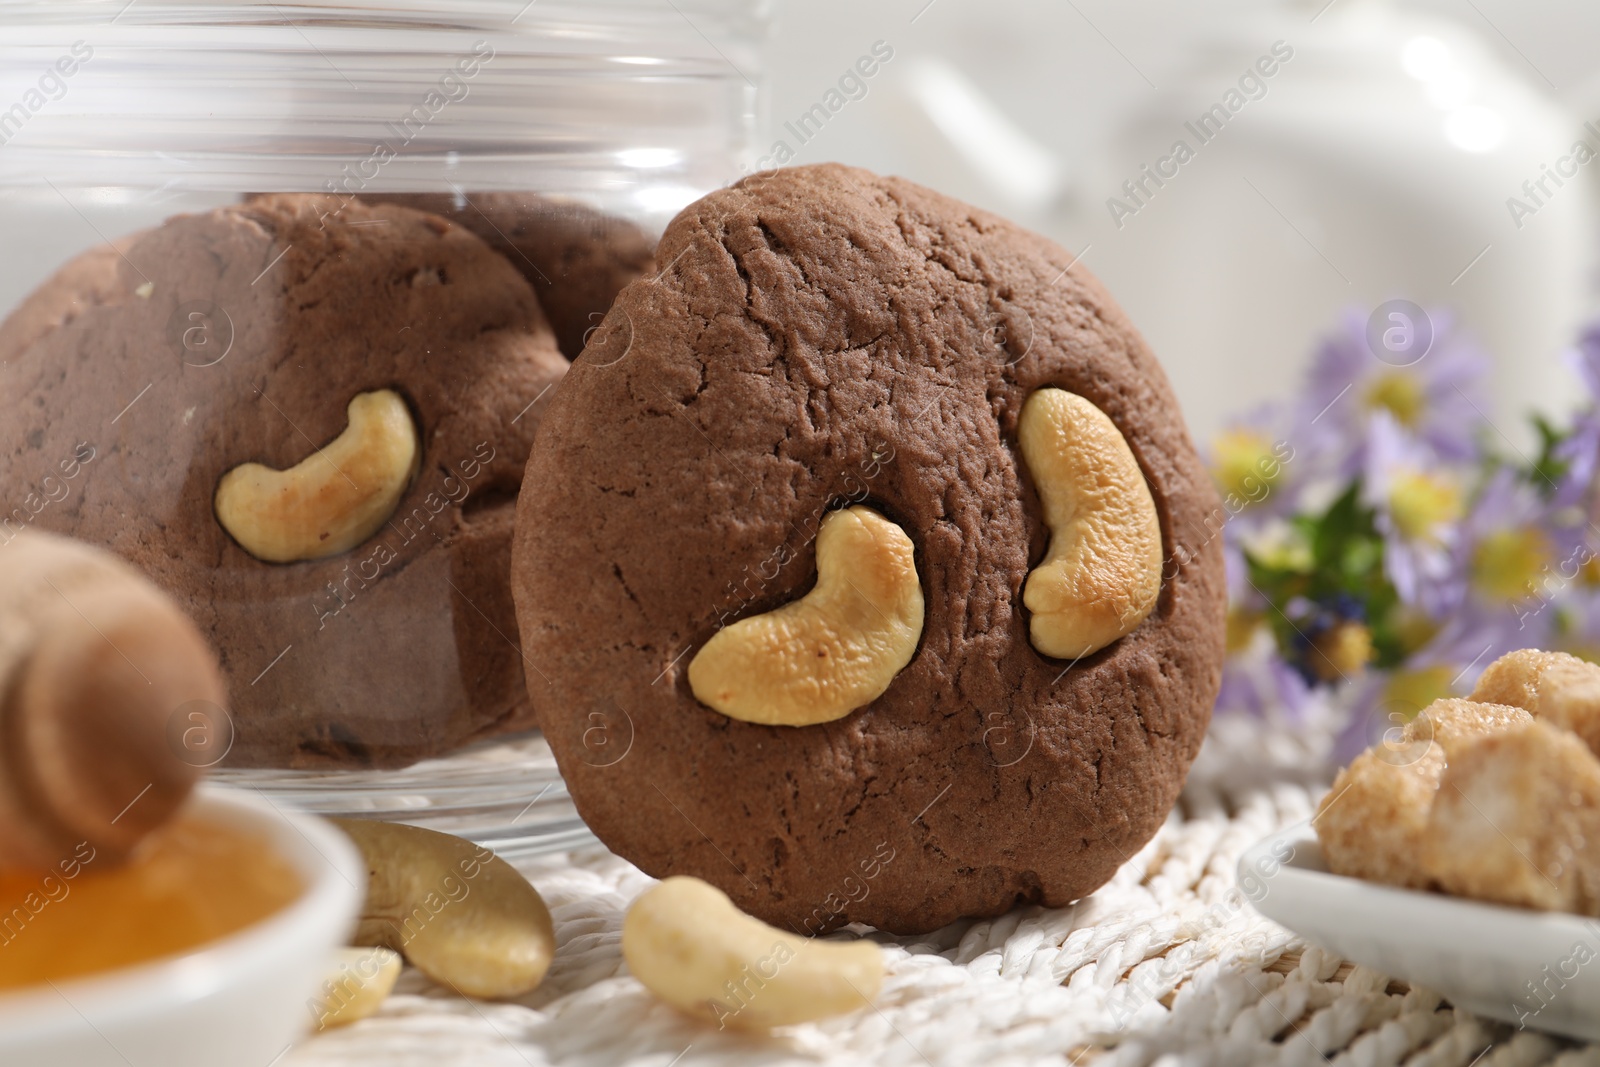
[(236, 97), (526, 16)]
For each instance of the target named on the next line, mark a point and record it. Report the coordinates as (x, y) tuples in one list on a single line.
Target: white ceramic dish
[(241, 1000), (1539, 970)]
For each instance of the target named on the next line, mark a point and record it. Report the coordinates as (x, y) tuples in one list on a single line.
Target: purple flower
[(1364, 724), (1437, 400), (1255, 680), (1240, 592), (1514, 551), (1256, 468), (1481, 559), (1577, 624), (1258, 682), (1418, 502), (1377, 703), (1475, 637), (1581, 450)]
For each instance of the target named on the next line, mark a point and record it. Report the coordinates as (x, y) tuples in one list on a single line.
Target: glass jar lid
[(642, 106)]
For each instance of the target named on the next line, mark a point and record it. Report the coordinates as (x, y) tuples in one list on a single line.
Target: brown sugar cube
[(1373, 821), (1457, 724), (1512, 819), (1561, 689)]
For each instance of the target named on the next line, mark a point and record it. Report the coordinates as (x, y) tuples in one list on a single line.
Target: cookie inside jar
[(317, 415), (287, 353)]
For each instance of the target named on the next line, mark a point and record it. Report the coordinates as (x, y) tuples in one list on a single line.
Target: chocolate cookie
[(823, 341), (576, 258), (88, 281), (133, 382)]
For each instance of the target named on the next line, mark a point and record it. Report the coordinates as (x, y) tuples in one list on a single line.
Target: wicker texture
[(1167, 965)]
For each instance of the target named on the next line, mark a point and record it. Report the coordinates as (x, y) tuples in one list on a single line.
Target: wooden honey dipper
[(97, 667)]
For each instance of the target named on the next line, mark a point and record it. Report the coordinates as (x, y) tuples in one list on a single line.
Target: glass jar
[(289, 287)]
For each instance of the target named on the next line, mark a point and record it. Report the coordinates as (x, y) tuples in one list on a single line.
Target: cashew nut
[(358, 983), (1102, 574), (832, 651), (460, 914), (331, 501), (691, 947)]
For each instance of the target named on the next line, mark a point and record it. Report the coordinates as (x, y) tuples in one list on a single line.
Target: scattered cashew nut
[(832, 651), (689, 945), (357, 985), (332, 500), (1102, 574), (460, 914)]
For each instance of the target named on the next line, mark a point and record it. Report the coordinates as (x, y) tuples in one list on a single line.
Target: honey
[(190, 883)]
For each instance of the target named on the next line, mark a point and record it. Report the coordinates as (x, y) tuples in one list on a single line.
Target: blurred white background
[(1323, 194), (1375, 164)]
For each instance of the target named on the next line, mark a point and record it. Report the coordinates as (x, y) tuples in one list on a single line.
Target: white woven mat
[(1165, 965)]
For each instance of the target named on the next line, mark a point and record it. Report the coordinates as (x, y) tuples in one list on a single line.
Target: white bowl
[(241, 1000), (1532, 969)]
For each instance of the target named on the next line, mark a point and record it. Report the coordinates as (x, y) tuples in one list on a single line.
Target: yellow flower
[(1245, 465), (1340, 651), (1414, 629), (1409, 691), (1242, 626), (1420, 504), (1285, 547), (1506, 562), (1400, 394)]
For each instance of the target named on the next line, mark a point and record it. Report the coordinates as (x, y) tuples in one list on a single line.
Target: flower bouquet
[(1386, 541)]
